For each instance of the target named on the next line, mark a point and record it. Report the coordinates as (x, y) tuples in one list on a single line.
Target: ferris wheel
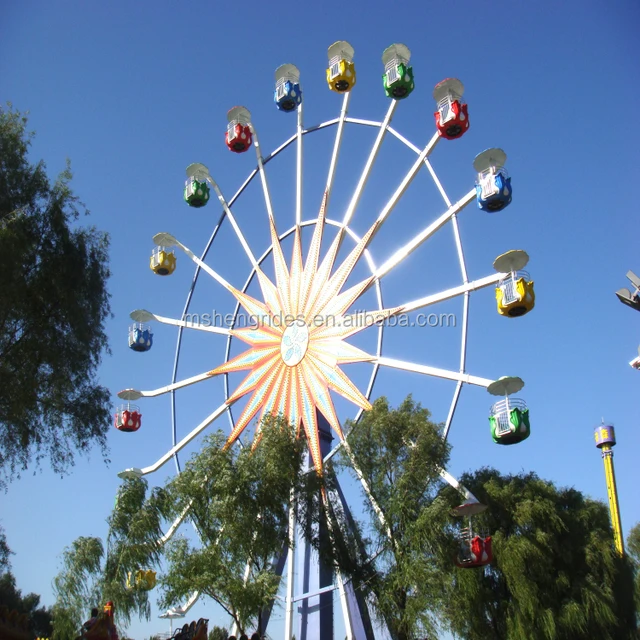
[(294, 352)]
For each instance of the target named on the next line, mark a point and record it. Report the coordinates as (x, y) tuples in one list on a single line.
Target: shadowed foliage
[(53, 306), (399, 453), (238, 500), (91, 575), (555, 573)]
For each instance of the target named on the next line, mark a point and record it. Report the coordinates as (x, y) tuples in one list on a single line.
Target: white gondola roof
[(197, 171), (241, 114), (489, 158), (505, 386), (288, 71), (513, 260), (396, 51), (449, 84), (342, 49)]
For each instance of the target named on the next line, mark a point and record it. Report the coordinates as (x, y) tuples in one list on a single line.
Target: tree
[(399, 453), (633, 551), (238, 501), (53, 307), (39, 618), (218, 633), (92, 576), (5, 552), (555, 572)]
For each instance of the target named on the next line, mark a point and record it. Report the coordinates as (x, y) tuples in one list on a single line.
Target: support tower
[(605, 440)]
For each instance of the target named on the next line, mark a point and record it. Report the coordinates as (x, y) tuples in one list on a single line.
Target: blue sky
[(133, 93)]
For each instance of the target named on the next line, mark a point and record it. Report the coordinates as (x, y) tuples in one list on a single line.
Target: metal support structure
[(612, 493), (606, 439)]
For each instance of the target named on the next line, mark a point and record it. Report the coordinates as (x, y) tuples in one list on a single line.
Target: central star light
[(297, 341)]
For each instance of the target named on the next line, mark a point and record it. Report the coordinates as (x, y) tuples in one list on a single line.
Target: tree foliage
[(633, 551), (400, 453), (555, 573), (5, 553), (238, 500), (53, 307), (92, 575), (39, 617)]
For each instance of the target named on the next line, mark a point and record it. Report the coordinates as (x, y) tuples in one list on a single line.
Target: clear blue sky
[(133, 93)]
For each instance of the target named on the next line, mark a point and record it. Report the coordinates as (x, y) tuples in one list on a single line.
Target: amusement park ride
[(632, 300), (290, 369)]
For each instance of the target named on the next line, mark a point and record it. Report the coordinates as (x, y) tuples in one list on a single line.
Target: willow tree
[(399, 453), (555, 573), (93, 574), (238, 499), (53, 308), (633, 550)]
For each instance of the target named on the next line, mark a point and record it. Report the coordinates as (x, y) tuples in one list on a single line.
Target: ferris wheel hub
[(295, 342)]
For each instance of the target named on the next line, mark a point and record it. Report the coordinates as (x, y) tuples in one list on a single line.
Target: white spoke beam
[(232, 220), (407, 181), (458, 487), (142, 315), (433, 371), (176, 523), (426, 233), (336, 147), (452, 293), (169, 240), (134, 394), (135, 472), (299, 167), (263, 177), (369, 164)]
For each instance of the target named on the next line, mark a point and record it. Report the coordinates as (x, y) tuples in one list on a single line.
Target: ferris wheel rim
[(343, 118)]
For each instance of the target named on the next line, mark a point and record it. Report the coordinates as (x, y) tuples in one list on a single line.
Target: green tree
[(399, 453), (218, 633), (53, 307), (5, 553), (633, 551), (92, 575), (39, 617), (555, 573), (238, 500)]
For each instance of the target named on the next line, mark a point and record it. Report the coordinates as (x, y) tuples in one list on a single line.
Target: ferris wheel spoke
[(427, 164), (452, 293), (343, 272), (458, 486), (311, 265), (299, 165), (232, 220), (134, 394), (406, 181), (263, 175), (142, 315), (433, 371), (373, 154), (137, 473), (452, 408), (323, 291), (167, 240), (175, 525), (424, 235), (336, 146)]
